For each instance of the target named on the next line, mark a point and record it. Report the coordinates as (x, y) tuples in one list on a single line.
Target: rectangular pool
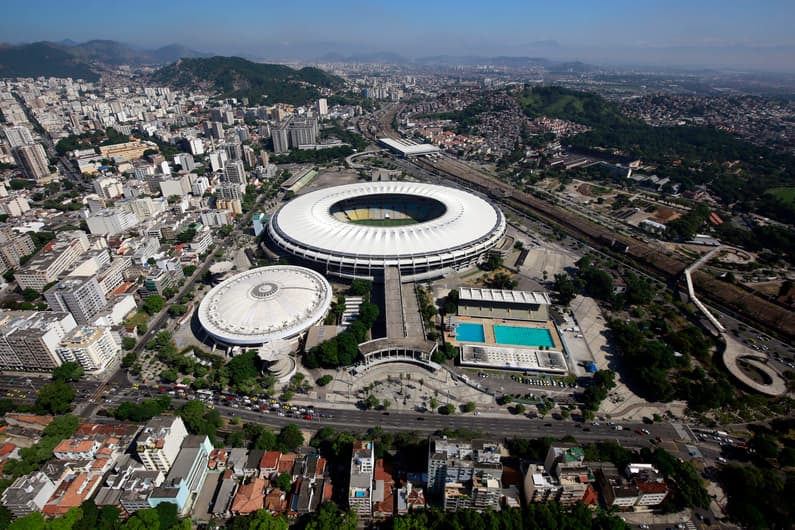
[(519, 336), (469, 332)]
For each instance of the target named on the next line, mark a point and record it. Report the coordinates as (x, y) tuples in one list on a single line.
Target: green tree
[(147, 519), (55, 398), (128, 343), (371, 402), (30, 294), (323, 381), (242, 368), (501, 280), (289, 438), (493, 262), (565, 288), (329, 517), (154, 304), (169, 375), (68, 371), (283, 482), (265, 440), (33, 521), (361, 287)]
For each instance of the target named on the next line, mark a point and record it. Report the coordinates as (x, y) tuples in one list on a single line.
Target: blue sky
[(593, 30)]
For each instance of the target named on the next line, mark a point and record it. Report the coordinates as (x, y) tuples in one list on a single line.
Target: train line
[(644, 256)]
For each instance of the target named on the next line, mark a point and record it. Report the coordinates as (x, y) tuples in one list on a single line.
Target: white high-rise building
[(29, 339), (217, 160), (199, 186), (185, 160), (92, 347), (15, 205), (196, 146), (322, 107), (159, 443), (281, 138), (79, 295), (234, 150), (235, 172), (303, 131), (33, 160), (17, 136)]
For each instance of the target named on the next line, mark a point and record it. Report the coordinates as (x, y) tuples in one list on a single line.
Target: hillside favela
[(349, 265)]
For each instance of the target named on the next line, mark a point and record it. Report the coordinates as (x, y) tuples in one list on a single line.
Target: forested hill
[(236, 77), (737, 171), (582, 107), (43, 59)]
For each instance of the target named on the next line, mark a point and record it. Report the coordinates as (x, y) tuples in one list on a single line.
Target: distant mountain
[(237, 77), (175, 52), (43, 59), (368, 58), (79, 60), (469, 60), (116, 53)]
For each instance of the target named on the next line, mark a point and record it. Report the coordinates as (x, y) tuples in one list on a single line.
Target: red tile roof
[(250, 497), (270, 460)]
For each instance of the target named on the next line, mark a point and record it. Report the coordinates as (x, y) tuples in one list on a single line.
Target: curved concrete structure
[(357, 230), (736, 351), (264, 305)]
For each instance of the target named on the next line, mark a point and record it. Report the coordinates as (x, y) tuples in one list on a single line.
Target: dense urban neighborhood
[(369, 292)]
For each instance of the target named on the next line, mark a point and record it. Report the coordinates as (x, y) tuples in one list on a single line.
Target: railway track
[(644, 256)]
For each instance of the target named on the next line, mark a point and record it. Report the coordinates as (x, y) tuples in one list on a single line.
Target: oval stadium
[(357, 230), (264, 305)]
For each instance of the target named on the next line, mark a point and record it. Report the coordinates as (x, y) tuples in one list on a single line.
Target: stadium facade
[(357, 230)]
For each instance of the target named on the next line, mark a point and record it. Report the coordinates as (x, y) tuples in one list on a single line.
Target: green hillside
[(581, 107), (42, 59), (236, 77)]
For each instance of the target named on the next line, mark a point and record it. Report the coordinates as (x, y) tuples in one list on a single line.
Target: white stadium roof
[(307, 220), (407, 148), (265, 304)]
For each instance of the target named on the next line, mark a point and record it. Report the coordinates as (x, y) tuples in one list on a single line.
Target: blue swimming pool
[(522, 336), (469, 332)]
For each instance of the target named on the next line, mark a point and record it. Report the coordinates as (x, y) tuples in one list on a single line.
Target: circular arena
[(264, 305), (357, 230)]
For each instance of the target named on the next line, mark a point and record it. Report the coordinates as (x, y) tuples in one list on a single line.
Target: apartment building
[(158, 445), (93, 347), (29, 339), (81, 296), (55, 258), (360, 486)]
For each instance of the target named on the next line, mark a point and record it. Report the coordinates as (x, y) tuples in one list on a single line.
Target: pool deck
[(488, 330)]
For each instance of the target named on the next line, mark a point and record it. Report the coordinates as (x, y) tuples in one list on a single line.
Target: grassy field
[(783, 194), (137, 318), (384, 222)]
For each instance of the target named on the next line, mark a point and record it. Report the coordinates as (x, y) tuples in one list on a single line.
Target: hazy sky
[(757, 33)]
